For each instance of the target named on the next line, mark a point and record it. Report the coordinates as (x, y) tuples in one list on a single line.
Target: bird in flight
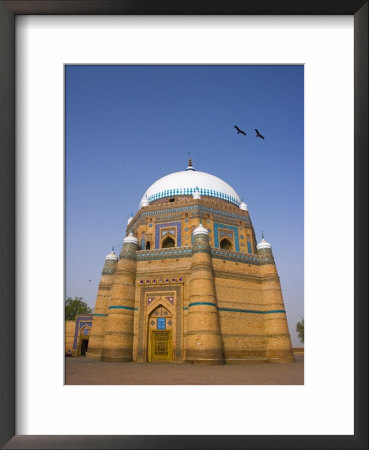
[(258, 134), (239, 131)]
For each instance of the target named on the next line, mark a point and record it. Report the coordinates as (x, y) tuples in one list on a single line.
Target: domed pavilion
[(190, 284)]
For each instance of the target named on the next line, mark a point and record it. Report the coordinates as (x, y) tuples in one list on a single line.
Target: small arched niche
[(226, 244), (168, 242)]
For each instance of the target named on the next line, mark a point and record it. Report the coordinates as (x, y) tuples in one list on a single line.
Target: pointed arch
[(168, 242), (226, 244)]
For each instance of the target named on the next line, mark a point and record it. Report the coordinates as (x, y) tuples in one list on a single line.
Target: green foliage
[(74, 306), (300, 330)]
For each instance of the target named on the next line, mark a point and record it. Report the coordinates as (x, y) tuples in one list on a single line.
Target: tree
[(300, 330), (74, 306)]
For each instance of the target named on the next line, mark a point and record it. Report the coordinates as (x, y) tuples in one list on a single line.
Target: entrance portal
[(84, 346), (161, 346)]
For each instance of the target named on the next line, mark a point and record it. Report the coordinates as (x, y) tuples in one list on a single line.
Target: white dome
[(130, 238), (263, 244), (185, 182), (144, 201), (243, 206), (200, 230), (112, 256)]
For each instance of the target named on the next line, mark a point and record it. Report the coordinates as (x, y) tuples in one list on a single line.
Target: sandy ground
[(88, 371)]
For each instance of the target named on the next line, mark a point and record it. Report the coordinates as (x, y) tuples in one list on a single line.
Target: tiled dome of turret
[(188, 182)]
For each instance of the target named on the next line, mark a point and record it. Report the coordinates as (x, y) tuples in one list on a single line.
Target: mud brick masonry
[(191, 284)]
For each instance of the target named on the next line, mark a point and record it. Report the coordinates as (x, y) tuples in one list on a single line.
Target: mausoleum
[(190, 284)]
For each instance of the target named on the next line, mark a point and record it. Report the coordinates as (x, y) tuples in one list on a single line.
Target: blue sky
[(127, 126)]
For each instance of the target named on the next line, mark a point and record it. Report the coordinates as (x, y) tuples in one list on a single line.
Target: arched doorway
[(168, 242), (226, 244), (160, 335), (84, 336)]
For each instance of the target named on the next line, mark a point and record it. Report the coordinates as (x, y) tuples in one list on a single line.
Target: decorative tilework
[(195, 208), (229, 227), (160, 323), (163, 253), (87, 320), (158, 227), (235, 256), (190, 191)]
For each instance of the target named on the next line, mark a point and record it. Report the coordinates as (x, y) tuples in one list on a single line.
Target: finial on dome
[(190, 166), (262, 234)]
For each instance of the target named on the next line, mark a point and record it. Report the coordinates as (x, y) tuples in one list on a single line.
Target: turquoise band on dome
[(191, 191)]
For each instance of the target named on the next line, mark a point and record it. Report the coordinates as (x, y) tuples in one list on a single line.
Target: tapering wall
[(278, 341), (118, 340)]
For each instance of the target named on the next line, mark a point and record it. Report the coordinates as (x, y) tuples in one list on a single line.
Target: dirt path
[(88, 371)]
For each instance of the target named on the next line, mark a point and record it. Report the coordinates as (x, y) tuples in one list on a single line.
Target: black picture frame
[(8, 12)]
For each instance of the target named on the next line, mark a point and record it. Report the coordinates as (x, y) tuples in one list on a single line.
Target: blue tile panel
[(227, 227), (83, 319), (160, 323), (190, 191), (100, 315), (158, 227)]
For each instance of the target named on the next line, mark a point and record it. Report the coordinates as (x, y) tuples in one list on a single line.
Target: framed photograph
[(45, 44)]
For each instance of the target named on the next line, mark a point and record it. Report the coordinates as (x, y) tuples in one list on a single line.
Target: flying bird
[(258, 134), (239, 131)]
